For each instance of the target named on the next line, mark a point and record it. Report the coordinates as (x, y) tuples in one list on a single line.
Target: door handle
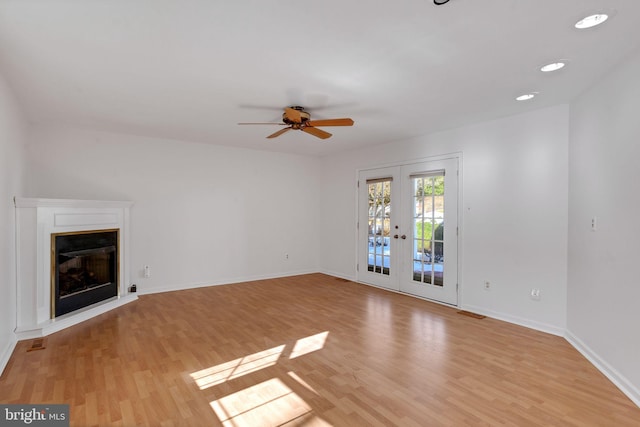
[(404, 236), (395, 236)]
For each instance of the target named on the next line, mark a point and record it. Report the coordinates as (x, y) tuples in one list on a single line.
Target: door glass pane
[(428, 229), (379, 219)]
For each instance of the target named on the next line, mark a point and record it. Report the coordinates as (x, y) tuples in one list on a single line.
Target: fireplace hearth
[(85, 269)]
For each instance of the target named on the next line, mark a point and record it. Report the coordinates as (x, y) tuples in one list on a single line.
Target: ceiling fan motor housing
[(304, 116)]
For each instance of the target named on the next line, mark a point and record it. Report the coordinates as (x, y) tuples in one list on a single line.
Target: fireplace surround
[(72, 262)]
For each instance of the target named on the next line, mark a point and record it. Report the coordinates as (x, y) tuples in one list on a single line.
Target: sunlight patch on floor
[(236, 368), (309, 344), (268, 404), (254, 362)]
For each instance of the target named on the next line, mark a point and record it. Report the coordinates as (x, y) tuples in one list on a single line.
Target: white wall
[(203, 214), (604, 172), (12, 142), (514, 211)]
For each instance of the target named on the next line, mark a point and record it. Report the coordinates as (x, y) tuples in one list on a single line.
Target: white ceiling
[(192, 69)]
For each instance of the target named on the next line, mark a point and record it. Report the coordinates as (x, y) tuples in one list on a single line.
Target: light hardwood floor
[(309, 350)]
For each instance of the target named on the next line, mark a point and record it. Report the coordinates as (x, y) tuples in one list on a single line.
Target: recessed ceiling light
[(554, 66), (526, 97), (592, 21)]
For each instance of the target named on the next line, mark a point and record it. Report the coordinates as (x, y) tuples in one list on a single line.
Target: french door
[(408, 229)]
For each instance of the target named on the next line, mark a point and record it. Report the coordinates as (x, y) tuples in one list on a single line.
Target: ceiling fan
[(295, 117)]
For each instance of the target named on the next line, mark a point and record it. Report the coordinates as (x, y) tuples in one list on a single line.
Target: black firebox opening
[(85, 269)]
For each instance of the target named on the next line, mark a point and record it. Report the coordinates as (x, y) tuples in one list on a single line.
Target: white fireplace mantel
[(36, 220)]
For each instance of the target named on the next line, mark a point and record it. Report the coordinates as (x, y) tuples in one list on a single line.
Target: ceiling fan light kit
[(295, 117)]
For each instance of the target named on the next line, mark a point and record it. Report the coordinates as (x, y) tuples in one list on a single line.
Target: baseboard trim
[(338, 275), (527, 323), (607, 370), (142, 290), (7, 352)]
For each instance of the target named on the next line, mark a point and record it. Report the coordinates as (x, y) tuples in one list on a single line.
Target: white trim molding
[(527, 323), (607, 370), (6, 352)]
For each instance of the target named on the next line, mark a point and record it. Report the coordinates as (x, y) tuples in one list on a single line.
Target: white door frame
[(359, 273)]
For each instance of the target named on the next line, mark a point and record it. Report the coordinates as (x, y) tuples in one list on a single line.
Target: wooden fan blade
[(293, 115), (316, 132), (264, 123), (280, 132), (331, 122)]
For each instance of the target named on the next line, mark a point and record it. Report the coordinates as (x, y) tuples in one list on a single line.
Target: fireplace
[(84, 269), (72, 262)]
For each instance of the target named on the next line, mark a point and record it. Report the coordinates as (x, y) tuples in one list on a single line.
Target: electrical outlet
[(286, 256), (147, 271), (535, 294), (487, 285)]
